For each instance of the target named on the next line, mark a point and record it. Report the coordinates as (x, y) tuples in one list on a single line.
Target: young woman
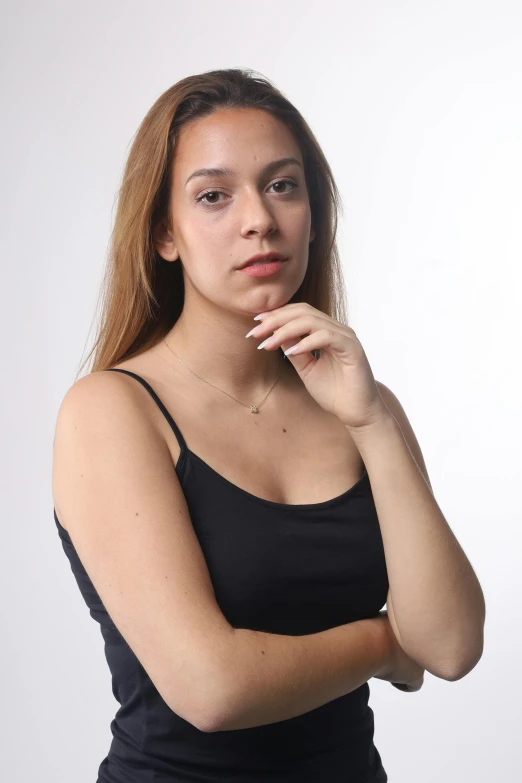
[(237, 515)]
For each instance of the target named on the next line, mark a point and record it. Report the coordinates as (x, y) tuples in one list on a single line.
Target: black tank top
[(276, 568)]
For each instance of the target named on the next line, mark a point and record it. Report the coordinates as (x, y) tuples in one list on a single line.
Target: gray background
[(418, 108)]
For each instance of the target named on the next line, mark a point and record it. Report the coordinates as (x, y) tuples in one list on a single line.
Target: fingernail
[(261, 345)]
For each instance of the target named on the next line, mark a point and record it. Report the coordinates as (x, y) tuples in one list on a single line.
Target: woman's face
[(220, 220)]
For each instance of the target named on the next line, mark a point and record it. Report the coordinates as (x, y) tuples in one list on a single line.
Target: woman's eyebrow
[(223, 172)]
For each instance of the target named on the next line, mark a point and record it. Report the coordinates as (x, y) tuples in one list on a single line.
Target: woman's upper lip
[(271, 256)]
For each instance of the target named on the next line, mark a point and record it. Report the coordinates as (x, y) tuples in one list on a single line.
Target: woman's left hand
[(341, 380)]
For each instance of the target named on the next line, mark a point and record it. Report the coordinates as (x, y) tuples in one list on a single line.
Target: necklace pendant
[(253, 408)]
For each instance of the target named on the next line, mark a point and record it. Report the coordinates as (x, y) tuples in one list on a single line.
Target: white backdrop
[(418, 108)]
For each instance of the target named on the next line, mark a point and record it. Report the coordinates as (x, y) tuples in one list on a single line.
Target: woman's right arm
[(275, 677), (120, 499)]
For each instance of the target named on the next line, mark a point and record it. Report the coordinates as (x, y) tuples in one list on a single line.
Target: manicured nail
[(261, 315), (263, 343)]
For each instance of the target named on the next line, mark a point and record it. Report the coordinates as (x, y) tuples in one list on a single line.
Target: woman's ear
[(164, 243), (312, 235)]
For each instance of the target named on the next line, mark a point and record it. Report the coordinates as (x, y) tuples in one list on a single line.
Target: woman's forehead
[(231, 140)]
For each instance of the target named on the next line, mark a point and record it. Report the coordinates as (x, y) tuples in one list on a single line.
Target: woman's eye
[(207, 194), (217, 192), (284, 182)]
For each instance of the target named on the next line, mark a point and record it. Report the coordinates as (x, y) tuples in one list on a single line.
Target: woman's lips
[(262, 269)]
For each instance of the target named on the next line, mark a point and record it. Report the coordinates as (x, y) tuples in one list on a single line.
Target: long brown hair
[(142, 294)]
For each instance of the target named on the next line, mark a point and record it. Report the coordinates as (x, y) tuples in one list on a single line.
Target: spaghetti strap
[(161, 406)]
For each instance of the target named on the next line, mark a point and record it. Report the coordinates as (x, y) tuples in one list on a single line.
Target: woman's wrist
[(383, 644)]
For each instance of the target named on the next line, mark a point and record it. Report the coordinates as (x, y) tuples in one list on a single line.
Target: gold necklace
[(252, 408)]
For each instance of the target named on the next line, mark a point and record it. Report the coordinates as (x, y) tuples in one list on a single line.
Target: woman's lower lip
[(262, 270)]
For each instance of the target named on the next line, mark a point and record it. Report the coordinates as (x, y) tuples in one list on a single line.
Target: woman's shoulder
[(101, 390)]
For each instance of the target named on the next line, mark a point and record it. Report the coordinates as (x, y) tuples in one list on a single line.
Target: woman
[(212, 497)]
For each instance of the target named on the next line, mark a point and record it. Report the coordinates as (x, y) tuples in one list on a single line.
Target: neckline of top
[(185, 451)]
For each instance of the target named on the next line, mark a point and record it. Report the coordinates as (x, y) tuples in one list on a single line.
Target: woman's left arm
[(438, 604), (438, 610)]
